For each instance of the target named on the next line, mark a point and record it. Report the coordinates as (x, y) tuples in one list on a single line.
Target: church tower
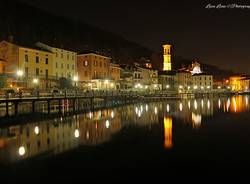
[(166, 58)]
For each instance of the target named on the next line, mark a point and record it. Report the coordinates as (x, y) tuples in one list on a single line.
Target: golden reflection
[(240, 104), (219, 103), (168, 139), (196, 119), (168, 108), (181, 107), (21, 151), (195, 105), (189, 105)]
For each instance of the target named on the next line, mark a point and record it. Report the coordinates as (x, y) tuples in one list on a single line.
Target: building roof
[(167, 72), (26, 46), (200, 74), (93, 53)]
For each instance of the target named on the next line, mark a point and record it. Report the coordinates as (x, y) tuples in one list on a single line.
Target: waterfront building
[(183, 80), (202, 82), (94, 71), (167, 80), (239, 83), (64, 61), (115, 73), (126, 77), (145, 78), (30, 67)]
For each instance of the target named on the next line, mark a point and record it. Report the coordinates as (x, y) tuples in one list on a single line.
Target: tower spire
[(167, 65)]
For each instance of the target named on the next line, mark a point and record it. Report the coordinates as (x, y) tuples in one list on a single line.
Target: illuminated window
[(85, 63), (46, 61)]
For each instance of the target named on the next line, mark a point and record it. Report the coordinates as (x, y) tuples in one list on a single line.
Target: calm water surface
[(177, 135)]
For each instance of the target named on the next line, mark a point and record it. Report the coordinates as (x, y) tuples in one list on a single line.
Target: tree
[(65, 83), (3, 82)]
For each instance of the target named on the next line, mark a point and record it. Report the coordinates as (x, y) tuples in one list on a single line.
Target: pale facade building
[(64, 61)]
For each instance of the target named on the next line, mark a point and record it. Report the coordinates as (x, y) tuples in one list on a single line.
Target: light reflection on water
[(94, 128)]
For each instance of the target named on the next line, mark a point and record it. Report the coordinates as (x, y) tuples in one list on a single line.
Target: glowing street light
[(36, 130), (195, 87), (21, 151), (167, 86), (19, 73), (35, 81), (77, 133), (107, 124), (75, 78)]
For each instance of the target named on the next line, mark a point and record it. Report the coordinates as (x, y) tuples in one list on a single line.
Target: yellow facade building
[(64, 61), (167, 66), (29, 67)]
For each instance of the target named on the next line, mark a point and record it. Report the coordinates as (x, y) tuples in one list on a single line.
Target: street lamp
[(106, 82), (19, 73), (167, 86), (35, 81)]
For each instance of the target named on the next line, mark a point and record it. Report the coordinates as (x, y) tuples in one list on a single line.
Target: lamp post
[(36, 83), (75, 79), (19, 74)]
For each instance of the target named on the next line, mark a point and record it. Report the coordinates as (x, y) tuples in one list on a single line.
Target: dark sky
[(214, 36)]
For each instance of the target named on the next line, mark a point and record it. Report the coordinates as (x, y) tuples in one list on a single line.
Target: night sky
[(214, 36)]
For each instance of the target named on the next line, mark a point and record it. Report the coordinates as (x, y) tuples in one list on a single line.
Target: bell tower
[(167, 58)]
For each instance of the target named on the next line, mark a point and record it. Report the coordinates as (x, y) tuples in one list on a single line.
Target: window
[(73, 67), (26, 58), (85, 63), (56, 54), (56, 65), (67, 66), (100, 64), (73, 57), (62, 65), (37, 59), (56, 75), (61, 55), (67, 56), (37, 71), (46, 61), (86, 74), (95, 73)]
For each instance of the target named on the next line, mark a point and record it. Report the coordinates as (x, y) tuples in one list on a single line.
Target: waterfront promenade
[(77, 101)]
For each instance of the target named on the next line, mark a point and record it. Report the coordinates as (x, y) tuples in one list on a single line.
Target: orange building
[(95, 71)]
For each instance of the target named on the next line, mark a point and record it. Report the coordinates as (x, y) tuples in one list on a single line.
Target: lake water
[(179, 136)]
